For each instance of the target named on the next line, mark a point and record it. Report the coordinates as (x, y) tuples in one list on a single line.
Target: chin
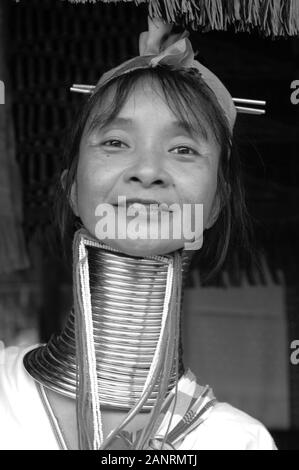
[(142, 248)]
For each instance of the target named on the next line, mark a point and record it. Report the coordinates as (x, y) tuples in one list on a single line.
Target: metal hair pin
[(88, 89), (249, 110)]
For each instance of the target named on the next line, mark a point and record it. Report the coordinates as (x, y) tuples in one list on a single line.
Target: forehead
[(145, 98), (146, 92), (144, 106)]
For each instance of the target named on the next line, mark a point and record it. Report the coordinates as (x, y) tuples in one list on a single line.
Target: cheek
[(87, 188), (92, 188), (200, 189)]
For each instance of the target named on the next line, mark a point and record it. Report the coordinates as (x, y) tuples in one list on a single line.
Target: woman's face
[(145, 155)]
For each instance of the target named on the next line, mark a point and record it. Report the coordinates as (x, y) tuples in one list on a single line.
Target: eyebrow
[(177, 124)]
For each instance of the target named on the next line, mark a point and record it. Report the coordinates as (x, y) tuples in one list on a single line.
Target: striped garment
[(181, 413)]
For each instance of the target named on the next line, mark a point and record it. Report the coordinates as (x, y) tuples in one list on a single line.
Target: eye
[(184, 150), (113, 143)]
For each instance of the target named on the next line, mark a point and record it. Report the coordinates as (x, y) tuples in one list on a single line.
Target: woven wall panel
[(53, 44)]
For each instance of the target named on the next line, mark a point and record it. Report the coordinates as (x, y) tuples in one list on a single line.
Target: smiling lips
[(147, 203)]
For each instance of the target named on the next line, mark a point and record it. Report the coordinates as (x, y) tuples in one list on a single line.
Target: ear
[(214, 213), (73, 200)]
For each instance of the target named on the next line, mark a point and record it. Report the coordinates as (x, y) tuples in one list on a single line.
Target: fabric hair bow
[(158, 46)]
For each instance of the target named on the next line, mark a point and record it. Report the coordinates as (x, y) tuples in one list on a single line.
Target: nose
[(148, 171)]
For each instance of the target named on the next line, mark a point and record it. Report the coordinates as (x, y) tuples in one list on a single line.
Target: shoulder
[(225, 427), (9, 369), (228, 428), (12, 371), (18, 400), (14, 380)]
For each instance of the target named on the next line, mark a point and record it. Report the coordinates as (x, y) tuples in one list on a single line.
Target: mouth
[(147, 203), (138, 201)]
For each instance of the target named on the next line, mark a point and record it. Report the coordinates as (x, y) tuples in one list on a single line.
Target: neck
[(127, 298)]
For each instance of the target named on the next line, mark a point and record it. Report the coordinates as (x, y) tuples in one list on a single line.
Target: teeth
[(149, 207)]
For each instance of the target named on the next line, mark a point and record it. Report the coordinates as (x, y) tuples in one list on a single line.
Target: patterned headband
[(158, 47)]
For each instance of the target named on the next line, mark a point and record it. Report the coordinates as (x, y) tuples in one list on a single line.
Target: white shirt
[(25, 425)]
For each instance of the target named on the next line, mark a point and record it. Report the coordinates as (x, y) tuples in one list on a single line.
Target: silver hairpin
[(249, 110), (82, 88), (247, 101), (87, 89), (246, 110)]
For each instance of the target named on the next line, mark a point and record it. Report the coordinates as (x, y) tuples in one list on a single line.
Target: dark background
[(52, 44)]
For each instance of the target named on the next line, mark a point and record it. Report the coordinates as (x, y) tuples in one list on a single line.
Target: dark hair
[(185, 93)]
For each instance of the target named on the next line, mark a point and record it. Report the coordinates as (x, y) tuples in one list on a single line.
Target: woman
[(153, 139)]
